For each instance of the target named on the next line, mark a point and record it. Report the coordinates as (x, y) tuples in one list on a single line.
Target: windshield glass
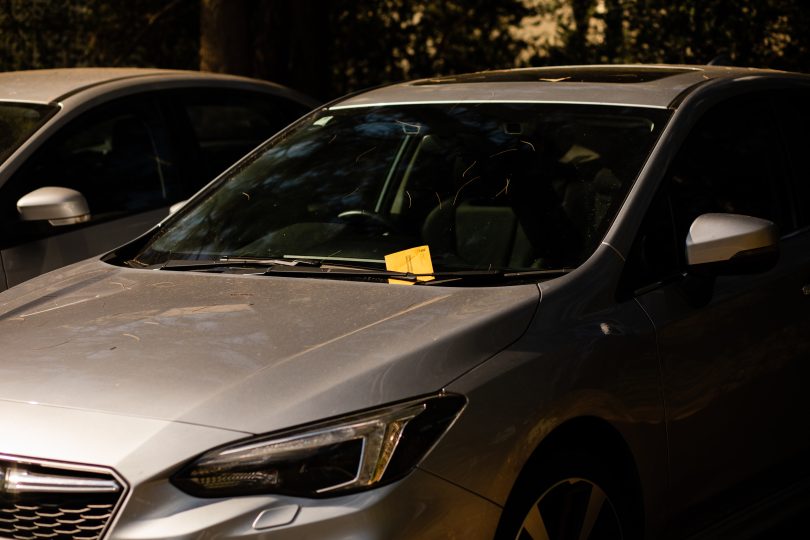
[(486, 186), (18, 121)]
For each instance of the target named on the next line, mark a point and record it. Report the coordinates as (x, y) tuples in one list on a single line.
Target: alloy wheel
[(572, 509)]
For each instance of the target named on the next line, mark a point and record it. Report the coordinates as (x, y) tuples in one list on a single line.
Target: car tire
[(570, 495)]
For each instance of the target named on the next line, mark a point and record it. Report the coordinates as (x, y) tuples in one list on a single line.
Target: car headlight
[(330, 458)]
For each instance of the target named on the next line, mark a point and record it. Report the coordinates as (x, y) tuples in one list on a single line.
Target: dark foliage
[(37, 34), (330, 47)]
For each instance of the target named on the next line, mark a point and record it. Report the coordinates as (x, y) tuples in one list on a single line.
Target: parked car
[(123, 144), (543, 303)]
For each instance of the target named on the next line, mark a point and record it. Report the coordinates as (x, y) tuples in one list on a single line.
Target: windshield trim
[(494, 102), (15, 101)]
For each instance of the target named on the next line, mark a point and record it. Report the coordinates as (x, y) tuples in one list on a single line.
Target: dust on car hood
[(248, 353)]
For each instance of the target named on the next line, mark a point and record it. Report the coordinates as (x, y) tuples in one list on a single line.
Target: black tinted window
[(485, 186), (732, 162), (111, 155), (793, 109), (18, 121), (654, 256), (226, 125)]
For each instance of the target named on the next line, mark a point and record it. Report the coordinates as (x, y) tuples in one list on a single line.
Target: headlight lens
[(330, 458)]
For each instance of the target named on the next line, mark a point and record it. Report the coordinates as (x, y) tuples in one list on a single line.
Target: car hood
[(247, 353)]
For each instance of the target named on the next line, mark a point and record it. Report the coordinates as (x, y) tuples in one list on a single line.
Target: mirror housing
[(731, 244), (58, 205)]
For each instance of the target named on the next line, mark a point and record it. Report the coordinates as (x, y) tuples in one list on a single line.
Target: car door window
[(224, 125), (793, 111), (18, 121), (113, 155), (731, 162), (654, 257)]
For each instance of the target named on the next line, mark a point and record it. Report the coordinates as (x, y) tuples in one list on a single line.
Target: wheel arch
[(587, 437)]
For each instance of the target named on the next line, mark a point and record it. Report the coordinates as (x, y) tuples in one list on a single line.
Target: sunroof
[(597, 74)]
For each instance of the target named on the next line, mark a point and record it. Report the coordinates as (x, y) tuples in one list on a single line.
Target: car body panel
[(745, 398), (57, 85), (658, 93), (138, 333), (704, 393), (413, 508), (551, 376), (26, 261), (49, 85), (138, 448)]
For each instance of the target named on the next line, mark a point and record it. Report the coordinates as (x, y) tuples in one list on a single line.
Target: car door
[(116, 156), (735, 349)]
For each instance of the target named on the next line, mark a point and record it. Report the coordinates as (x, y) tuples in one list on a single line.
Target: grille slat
[(54, 522), (81, 514)]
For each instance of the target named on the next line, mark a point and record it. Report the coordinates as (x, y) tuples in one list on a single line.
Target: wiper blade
[(465, 277), (458, 277), (323, 269), (230, 262), (337, 271), (282, 267)]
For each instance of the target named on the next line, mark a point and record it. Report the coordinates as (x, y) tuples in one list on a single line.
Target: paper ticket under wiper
[(413, 261)]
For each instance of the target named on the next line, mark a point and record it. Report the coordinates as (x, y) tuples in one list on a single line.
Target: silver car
[(121, 145), (546, 303)]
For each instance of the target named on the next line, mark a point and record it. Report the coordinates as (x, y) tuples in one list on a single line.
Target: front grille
[(60, 502)]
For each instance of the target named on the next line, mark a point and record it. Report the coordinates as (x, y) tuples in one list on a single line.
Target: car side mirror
[(731, 244), (58, 205)]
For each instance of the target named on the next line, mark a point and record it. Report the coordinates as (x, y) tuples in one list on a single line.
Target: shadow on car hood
[(249, 353)]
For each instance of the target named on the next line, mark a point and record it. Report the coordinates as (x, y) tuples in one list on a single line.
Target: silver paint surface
[(277, 352), (142, 370)]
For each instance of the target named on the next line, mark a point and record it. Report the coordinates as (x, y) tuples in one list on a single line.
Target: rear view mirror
[(177, 206), (731, 244), (58, 205)]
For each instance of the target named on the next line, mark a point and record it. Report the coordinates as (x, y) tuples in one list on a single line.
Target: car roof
[(641, 85), (53, 85)]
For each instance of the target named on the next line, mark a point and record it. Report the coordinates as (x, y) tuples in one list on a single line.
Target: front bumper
[(145, 452), (420, 506)]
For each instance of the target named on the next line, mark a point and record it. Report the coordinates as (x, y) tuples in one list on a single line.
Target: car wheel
[(568, 498)]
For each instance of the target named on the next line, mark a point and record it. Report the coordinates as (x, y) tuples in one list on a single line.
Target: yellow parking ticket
[(415, 261)]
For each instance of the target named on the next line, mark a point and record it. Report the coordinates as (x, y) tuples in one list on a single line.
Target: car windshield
[(18, 121), (486, 186)]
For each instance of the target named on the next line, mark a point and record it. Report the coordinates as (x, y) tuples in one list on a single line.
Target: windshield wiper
[(229, 262), (489, 277), (322, 269), (279, 266), (449, 278)]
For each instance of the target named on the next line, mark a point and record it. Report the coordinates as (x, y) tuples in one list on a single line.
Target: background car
[(608, 336), (131, 142)]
